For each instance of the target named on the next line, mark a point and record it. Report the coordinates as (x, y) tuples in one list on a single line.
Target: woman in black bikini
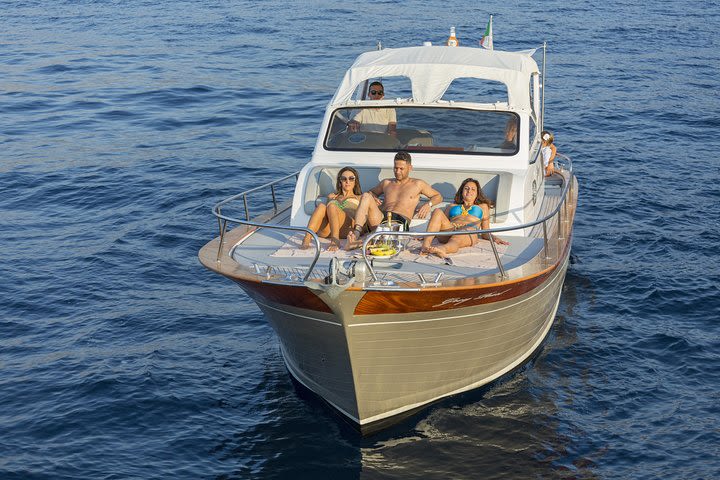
[(335, 219)]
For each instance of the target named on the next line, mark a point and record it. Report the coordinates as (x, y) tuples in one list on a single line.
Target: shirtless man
[(402, 195)]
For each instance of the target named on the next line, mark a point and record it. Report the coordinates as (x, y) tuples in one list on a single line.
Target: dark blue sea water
[(122, 122)]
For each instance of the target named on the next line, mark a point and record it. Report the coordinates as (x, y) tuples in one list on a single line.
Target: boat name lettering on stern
[(458, 300)]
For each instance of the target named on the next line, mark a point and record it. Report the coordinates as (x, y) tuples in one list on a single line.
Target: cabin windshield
[(424, 129)]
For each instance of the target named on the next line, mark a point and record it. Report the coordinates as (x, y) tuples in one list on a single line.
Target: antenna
[(542, 107)]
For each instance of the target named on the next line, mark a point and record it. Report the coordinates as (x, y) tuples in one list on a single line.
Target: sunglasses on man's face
[(377, 92), (347, 179)]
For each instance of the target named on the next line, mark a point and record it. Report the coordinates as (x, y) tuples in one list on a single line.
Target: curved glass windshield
[(428, 129)]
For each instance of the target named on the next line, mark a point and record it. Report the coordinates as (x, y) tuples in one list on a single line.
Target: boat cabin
[(460, 112)]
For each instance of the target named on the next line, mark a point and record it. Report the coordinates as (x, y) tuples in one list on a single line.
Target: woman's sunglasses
[(347, 179)]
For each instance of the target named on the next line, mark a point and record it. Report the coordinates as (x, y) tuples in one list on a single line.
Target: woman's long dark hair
[(481, 198), (338, 184)]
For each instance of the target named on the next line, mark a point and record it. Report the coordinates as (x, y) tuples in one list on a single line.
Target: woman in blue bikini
[(335, 218), (471, 211)]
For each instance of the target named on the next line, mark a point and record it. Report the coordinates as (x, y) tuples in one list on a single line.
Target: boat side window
[(392, 87), (476, 90)]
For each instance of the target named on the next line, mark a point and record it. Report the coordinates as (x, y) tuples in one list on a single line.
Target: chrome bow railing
[(223, 220)]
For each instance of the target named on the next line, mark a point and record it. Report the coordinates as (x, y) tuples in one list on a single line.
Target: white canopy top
[(432, 69)]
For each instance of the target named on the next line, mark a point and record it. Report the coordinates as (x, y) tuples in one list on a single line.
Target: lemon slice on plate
[(382, 251)]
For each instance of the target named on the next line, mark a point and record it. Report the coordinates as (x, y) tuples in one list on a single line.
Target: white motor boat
[(379, 337)]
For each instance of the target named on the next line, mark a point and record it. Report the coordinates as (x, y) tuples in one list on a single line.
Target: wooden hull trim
[(298, 296), (400, 302), (540, 290), (429, 300)]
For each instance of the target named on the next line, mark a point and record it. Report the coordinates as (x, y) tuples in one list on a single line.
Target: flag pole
[(486, 41)]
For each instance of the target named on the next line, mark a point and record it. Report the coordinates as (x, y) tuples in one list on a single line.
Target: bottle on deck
[(452, 40)]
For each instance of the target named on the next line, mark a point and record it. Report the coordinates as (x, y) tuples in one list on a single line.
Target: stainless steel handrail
[(252, 190), (537, 152), (223, 220)]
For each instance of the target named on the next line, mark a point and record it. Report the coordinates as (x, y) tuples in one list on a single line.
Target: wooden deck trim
[(431, 300), (297, 296)]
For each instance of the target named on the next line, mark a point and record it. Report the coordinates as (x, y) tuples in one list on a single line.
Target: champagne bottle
[(452, 40)]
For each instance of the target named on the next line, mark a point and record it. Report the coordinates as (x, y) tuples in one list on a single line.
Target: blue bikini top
[(475, 211)]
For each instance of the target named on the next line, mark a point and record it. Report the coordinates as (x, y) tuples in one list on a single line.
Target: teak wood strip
[(293, 296), (383, 302)]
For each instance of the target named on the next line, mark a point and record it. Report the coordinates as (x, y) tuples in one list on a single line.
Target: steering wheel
[(363, 140)]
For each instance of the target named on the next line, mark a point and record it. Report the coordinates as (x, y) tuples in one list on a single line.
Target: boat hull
[(373, 367)]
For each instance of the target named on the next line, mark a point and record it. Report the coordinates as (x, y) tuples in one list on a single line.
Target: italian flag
[(487, 39)]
